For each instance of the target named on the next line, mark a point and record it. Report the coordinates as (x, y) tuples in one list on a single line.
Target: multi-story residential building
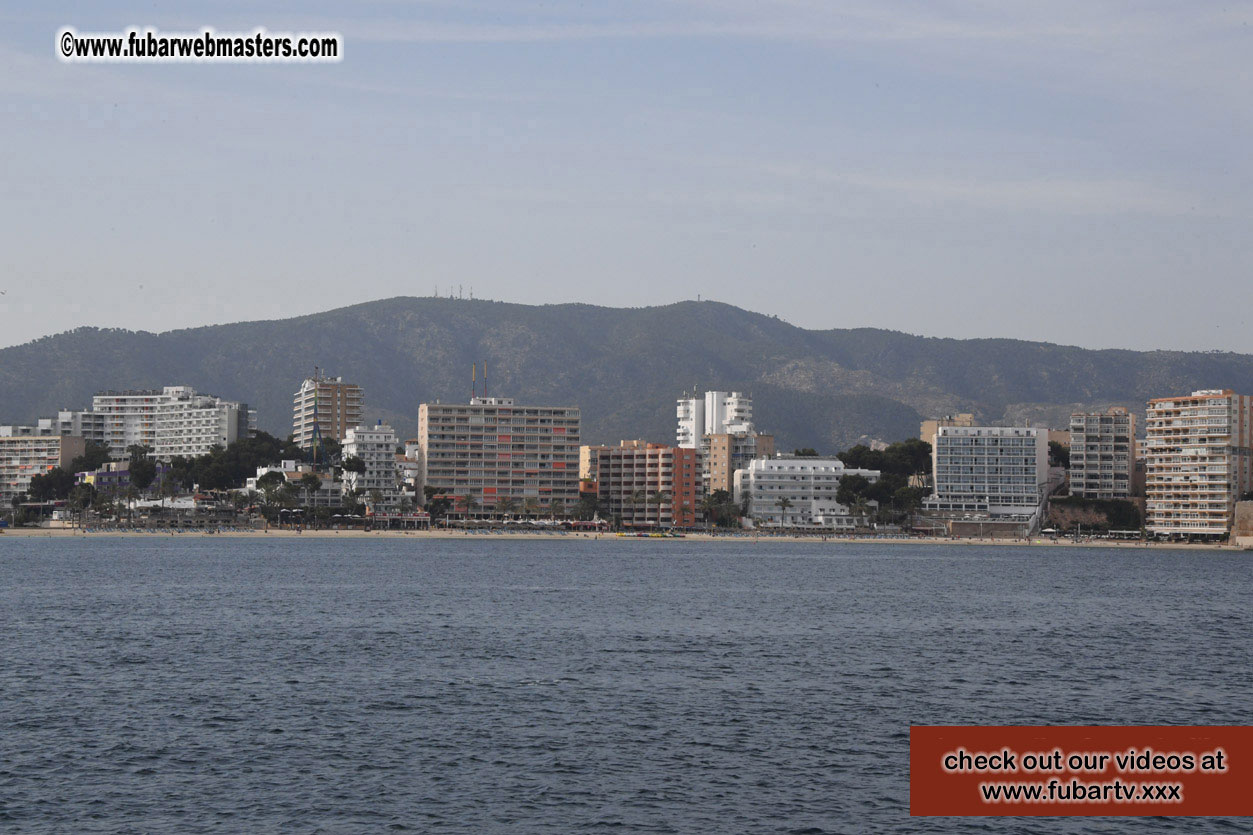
[(714, 413), (379, 485), (129, 417), (328, 403), (996, 470), (720, 425), (174, 420), (191, 424), (493, 449), (589, 460), (723, 453), (28, 451), (648, 485), (1198, 461), (87, 425), (791, 491), (1102, 453)]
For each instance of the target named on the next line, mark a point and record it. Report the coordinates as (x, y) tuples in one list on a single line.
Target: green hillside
[(624, 367)]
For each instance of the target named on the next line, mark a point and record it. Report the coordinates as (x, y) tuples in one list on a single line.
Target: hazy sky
[(1076, 172)]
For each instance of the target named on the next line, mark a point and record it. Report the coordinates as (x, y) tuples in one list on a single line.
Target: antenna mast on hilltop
[(473, 379)]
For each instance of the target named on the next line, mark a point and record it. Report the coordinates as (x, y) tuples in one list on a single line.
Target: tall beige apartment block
[(1198, 461), (1102, 453), (329, 403), (723, 453), (492, 449), (26, 452)]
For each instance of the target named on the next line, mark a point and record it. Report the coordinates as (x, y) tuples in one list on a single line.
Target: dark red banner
[(1081, 770)]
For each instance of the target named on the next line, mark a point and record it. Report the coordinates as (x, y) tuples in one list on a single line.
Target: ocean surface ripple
[(318, 685)]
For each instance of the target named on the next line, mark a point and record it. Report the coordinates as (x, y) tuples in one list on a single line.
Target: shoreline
[(274, 533)]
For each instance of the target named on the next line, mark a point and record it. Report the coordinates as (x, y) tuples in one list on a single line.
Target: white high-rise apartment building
[(376, 447), (720, 425), (1102, 453), (172, 421), (714, 413), (787, 491), (190, 424), (999, 470), (1198, 461), (130, 417)]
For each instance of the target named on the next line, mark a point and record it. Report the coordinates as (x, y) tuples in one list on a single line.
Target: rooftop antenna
[(484, 376), (473, 378)]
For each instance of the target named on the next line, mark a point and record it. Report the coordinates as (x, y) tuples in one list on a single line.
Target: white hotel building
[(189, 424), (807, 486), (172, 421), (376, 447), (994, 470), (720, 425), (713, 413)]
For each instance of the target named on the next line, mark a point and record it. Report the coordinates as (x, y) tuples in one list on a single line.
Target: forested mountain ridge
[(624, 367)]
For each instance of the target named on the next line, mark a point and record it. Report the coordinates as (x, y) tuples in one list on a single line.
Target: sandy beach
[(284, 533)]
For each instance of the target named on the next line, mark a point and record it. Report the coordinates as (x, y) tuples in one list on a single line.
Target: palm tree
[(469, 504), (639, 497), (168, 488), (860, 509), (784, 504), (661, 497), (557, 507), (531, 506), (80, 497), (710, 507), (131, 495), (507, 506)]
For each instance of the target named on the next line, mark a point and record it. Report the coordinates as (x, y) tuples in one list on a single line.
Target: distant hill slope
[(624, 367)]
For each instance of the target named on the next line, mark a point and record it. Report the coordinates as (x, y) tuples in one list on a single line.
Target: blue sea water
[(170, 684)]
